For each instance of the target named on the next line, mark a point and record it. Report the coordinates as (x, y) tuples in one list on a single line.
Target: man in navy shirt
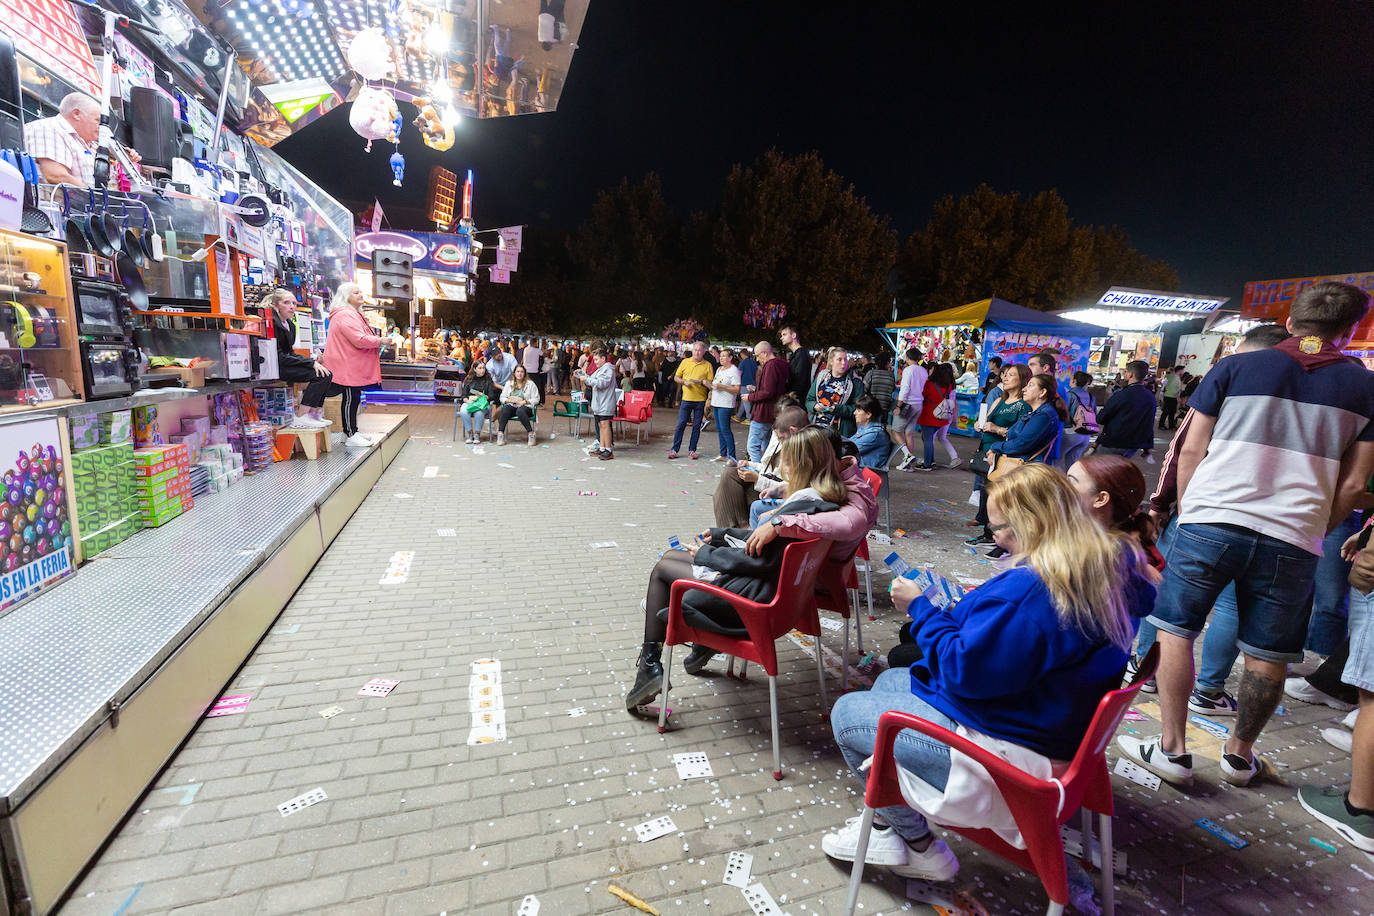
[(1129, 417)]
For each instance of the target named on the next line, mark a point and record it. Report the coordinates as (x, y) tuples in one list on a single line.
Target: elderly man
[(64, 146), (769, 384)]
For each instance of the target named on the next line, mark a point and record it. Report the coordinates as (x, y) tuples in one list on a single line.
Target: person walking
[(724, 392), (693, 377), (352, 354), (909, 401), (1173, 384), (935, 413)]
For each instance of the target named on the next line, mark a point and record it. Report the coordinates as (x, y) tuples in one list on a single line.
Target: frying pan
[(134, 248), (111, 224), (77, 243), (133, 281), (146, 243), (95, 231)]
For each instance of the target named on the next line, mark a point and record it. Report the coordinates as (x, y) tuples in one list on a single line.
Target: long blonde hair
[(808, 460), (1084, 567)]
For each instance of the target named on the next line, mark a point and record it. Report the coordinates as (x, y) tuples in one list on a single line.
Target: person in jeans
[(693, 377), (910, 399), (769, 387), (1280, 445), (1173, 384), (724, 391), (740, 485), (939, 390), (1128, 419), (600, 381), (1024, 658), (476, 385), (518, 400), (1351, 812)]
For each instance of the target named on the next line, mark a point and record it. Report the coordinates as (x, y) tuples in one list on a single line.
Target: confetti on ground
[(577, 712), (378, 687), (1324, 845), (231, 705), (586, 492), (692, 765), (485, 703), (188, 792), (737, 869), (404, 496), (832, 624), (1221, 833), (286, 631), (600, 545), (1136, 774), (760, 901), (529, 906), (652, 830), (313, 797), (504, 465), (331, 712), (398, 570), (431, 471), (447, 533), (1133, 716)]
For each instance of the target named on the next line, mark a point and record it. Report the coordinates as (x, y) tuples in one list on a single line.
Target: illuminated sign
[(295, 109), (443, 192), (367, 242), (1271, 298), (1150, 300), (467, 196)]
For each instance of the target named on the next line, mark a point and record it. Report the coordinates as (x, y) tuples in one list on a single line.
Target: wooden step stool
[(310, 441)]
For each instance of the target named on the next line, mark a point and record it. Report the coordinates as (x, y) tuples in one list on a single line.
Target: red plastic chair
[(636, 408), (836, 580), (875, 481), (1038, 806), (793, 607)]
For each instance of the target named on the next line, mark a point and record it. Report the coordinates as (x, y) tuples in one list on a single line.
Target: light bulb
[(436, 39), (441, 91), (451, 117)]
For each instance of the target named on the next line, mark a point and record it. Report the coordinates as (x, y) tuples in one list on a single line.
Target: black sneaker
[(996, 553), (1223, 704), (697, 659), (605, 454), (981, 540), (648, 679), (1131, 668)]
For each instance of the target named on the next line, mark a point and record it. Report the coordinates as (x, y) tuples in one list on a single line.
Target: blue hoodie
[(874, 445), (1031, 433), (1001, 662)]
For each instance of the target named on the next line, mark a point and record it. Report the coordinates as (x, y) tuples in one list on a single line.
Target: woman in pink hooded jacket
[(351, 354)]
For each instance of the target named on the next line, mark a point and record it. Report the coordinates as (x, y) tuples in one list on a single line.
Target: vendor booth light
[(436, 39), (1234, 324), (451, 117), (1125, 319), (441, 91)]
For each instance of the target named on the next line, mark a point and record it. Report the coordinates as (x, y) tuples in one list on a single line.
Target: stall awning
[(1000, 314)]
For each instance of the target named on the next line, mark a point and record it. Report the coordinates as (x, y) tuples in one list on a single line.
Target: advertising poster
[(1071, 353), (35, 516)]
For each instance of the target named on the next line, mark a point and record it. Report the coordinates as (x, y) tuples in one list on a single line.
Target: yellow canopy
[(973, 315)]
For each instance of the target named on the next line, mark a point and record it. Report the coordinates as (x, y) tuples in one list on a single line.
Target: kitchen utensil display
[(75, 231), (134, 248), (133, 281)]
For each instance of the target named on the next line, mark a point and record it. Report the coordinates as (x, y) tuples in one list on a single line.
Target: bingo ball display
[(33, 519)]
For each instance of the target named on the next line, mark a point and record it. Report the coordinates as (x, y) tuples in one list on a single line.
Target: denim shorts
[(1273, 588), (1359, 667)]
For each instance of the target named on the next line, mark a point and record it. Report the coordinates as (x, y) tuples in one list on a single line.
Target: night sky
[(1235, 141)]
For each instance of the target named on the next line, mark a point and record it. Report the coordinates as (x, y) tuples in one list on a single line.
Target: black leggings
[(316, 386), (674, 565), (521, 413), (352, 396)]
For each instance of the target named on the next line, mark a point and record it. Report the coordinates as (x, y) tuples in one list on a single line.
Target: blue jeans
[(928, 441), (689, 412), (725, 433), (1273, 582), (854, 721), (1359, 667), (758, 439), (1331, 594), (758, 507), (472, 422)]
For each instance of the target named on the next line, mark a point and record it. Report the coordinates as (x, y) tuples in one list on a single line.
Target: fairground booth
[(1142, 325), (1270, 300), (970, 335), (160, 504)]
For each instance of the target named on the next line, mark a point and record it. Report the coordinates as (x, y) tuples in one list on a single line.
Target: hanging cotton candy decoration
[(370, 54), (373, 114)]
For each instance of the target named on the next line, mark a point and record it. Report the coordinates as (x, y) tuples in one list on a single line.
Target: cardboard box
[(190, 378)]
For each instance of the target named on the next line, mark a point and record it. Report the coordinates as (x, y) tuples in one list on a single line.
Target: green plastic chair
[(574, 411)]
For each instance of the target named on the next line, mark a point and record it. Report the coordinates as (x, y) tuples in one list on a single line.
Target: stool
[(309, 441)]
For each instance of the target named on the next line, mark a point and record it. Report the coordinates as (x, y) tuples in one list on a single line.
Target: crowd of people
[(1256, 524)]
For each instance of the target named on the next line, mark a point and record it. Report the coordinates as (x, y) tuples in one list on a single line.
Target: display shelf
[(73, 408)]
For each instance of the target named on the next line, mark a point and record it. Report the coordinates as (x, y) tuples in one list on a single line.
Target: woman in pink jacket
[(351, 354)]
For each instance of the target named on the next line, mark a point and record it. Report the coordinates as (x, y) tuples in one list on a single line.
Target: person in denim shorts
[(1281, 445)]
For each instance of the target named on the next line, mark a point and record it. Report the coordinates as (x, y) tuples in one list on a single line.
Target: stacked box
[(275, 405), (105, 509), (116, 426), (162, 490), (146, 433), (258, 439), (85, 431)]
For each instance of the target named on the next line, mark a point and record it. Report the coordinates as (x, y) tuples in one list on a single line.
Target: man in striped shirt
[(1278, 449), (64, 145)]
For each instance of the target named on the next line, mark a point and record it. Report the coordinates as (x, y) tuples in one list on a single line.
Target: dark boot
[(648, 677), (698, 658)]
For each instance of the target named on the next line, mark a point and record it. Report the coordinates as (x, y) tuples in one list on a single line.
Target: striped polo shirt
[(1275, 455)]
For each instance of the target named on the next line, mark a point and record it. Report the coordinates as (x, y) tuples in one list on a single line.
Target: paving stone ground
[(419, 821)]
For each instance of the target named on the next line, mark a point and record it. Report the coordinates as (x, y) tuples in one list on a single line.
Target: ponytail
[(1051, 387)]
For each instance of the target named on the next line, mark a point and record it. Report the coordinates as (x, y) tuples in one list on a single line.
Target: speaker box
[(11, 107), (152, 126), (185, 141), (392, 275)]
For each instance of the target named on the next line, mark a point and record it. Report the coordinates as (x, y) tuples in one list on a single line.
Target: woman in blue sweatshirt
[(871, 438), (1025, 658)]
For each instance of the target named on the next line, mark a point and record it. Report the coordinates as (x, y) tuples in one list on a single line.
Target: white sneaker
[(358, 440), (886, 847), (530, 439), (1338, 738), (1349, 721), (954, 463), (1238, 771), (500, 438), (1174, 768), (1299, 689)]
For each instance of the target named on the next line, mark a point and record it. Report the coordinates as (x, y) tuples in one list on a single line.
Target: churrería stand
[(156, 513)]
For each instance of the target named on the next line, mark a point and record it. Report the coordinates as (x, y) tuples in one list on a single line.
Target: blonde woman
[(291, 366), (1023, 658), (351, 353)]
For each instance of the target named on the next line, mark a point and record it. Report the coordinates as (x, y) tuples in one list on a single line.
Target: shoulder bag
[(1006, 464)]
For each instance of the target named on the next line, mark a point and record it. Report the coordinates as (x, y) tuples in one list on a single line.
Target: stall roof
[(999, 314)]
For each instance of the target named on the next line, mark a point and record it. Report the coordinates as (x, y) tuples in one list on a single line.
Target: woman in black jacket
[(476, 386), (808, 459), (291, 366)]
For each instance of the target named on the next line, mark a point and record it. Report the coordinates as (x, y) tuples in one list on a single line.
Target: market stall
[(974, 333), (1138, 321), (1270, 300)]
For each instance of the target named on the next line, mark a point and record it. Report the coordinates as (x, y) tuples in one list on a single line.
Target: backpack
[(1083, 417)]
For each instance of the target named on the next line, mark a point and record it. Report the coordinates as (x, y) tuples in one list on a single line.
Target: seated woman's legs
[(507, 411), (673, 565), (525, 416), (854, 721)]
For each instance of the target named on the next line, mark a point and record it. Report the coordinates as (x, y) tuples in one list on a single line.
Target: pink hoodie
[(846, 526), (350, 349)]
